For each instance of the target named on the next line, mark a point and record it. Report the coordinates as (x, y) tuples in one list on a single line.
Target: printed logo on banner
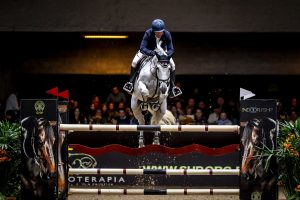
[(82, 160), (257, 110), (39, 107), (256, 195)]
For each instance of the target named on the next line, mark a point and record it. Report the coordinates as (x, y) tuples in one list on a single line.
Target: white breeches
[(138, 56)]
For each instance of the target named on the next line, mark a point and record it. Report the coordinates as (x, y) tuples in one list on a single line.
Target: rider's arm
[(144, 44), (170, 48)]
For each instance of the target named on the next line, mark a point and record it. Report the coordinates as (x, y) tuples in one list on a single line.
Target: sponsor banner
[(154, 157), (171, 139), (39, 149), (258, 130), (62, 167)]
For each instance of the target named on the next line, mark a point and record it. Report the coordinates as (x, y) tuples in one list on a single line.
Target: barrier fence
[(254, 113), (170, 128), (110, 171), (154, 191)]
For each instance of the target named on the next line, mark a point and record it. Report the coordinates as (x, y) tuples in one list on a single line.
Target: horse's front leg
[(137, 112), (156, 117)]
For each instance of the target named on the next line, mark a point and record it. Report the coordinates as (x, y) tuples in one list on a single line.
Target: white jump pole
[(111, 171), (154, 191), (131, 128)]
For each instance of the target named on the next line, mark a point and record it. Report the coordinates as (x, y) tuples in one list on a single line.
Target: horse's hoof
[(156, 143), (141, 145)]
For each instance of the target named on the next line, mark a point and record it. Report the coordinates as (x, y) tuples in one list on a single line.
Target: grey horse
[(151, 90)]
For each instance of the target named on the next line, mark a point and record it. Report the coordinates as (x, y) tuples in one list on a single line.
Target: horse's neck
[(147, 80), (146, 73)]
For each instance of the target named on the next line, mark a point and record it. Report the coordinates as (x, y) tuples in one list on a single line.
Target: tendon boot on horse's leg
[(128, 87), (156, 138), (174, 91), (141, 139)]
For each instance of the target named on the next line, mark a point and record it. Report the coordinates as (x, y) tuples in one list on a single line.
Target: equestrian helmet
[(158, 25)]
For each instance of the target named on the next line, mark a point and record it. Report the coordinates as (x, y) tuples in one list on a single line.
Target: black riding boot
[(128, 87), (133, 74), (174, 91)]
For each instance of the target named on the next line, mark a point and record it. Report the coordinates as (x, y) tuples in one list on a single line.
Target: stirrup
[(176, 91), (128, 87)]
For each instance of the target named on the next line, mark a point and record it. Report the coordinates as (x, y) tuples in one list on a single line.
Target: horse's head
[(250, 138), (257, 133), (163, 72), (38, 144), (45, 141)]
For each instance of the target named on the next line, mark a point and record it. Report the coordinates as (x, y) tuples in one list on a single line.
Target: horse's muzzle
[(163, 87)]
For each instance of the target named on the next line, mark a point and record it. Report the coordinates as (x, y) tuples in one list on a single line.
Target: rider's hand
[(152, 53), (157, 52)]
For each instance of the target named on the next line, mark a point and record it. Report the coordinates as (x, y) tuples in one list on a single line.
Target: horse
[(151, 90), (257, 134), (38, 172)]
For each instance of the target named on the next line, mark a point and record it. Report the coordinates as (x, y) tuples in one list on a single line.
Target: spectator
[(97, 118), (202, 106), (96, 102), (122, 118), (91, 112), (223, 119), (200, 119), (221, 104), (179, 108), (191, 105), (132, 119), (116, 96), (12, 102), (77, 117), (293, 116), (214, 116)]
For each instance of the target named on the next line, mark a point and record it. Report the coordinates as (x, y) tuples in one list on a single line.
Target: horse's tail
[(168, 119)]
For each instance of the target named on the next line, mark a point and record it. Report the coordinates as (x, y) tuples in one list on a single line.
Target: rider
[(150, 40)]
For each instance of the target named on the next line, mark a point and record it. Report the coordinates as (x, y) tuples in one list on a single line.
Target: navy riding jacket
[(149, 43)]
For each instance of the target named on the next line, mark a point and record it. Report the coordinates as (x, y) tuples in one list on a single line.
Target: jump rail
[(109, 171), (154, 191), (130, 128)]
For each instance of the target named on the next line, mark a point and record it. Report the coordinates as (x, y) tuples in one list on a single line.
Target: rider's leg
[(174, 91), (133, 72)]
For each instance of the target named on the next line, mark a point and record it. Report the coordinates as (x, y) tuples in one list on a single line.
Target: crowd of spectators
[(219, 108)]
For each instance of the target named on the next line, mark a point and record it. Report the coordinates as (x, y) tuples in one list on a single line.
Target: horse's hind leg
[(156, 117), (141, 139), (156, 138)]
